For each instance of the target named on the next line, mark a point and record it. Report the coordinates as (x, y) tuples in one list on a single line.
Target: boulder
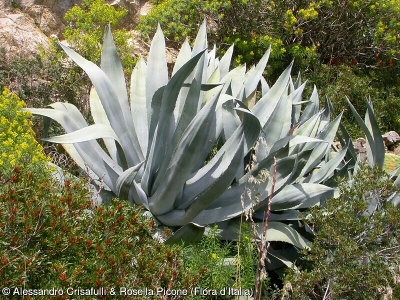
[(359, 147), (19, 36), (391, 139)]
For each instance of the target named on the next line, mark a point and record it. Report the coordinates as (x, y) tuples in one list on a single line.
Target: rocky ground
[(25, 24)]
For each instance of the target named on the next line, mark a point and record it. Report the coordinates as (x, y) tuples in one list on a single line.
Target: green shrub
[(339, 82), (355, 254), (86, 25), (309, 31)]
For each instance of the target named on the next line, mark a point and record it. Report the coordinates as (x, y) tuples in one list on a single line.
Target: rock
[(19, 35), (133, 8), (24, 24), (390, 139), (45, 20), (359, 147)]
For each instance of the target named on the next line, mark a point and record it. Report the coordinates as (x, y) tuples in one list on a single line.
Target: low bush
[(355, 254), (339, 82)]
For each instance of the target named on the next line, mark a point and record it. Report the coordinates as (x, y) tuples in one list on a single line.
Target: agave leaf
[(323, 173), (212, 63), (91, 132), (183, 56), (254, 77), (200, 43), (377, 152), (277, 231), (264, 86), (319, 151), (225, 62), (213, 185), (138, 103), (224, 162), (70, 149), (95, 157), (138, 196), (100, 117), (72, 111), (280, 232), (232, 203), (375, 148), (164, 134), (284, 215), (112, 67), (279, 123), (295, 195), (125, 180), (157, 70), (312, 107), (265, 106), (190, 106), (190, 233), (230, 119), (296, 96), (111, 105), (309, 127), (181, 163), (278, 260)]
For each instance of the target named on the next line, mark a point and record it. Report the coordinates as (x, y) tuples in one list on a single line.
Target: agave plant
[(179, 146), (375, 152)]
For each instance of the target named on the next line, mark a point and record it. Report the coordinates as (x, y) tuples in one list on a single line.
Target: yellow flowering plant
[(18, 146)]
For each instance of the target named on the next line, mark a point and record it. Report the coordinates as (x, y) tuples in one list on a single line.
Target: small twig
[(263, 249), (326, 291)]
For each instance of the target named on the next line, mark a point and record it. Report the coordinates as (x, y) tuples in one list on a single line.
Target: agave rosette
[(160, 141)]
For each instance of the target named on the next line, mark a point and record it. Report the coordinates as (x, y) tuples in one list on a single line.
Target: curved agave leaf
[(300, 195), (280, 232), (190, 234), (90, 132), (254, 77), (95, 157), (375, 147), (100, 117), (138, 103), (125, 180), (181, 163), (215, 177), (111, 104), (164, 132)]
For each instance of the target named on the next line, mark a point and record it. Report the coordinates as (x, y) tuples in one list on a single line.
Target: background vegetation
[(355, 254), (359, 62)]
